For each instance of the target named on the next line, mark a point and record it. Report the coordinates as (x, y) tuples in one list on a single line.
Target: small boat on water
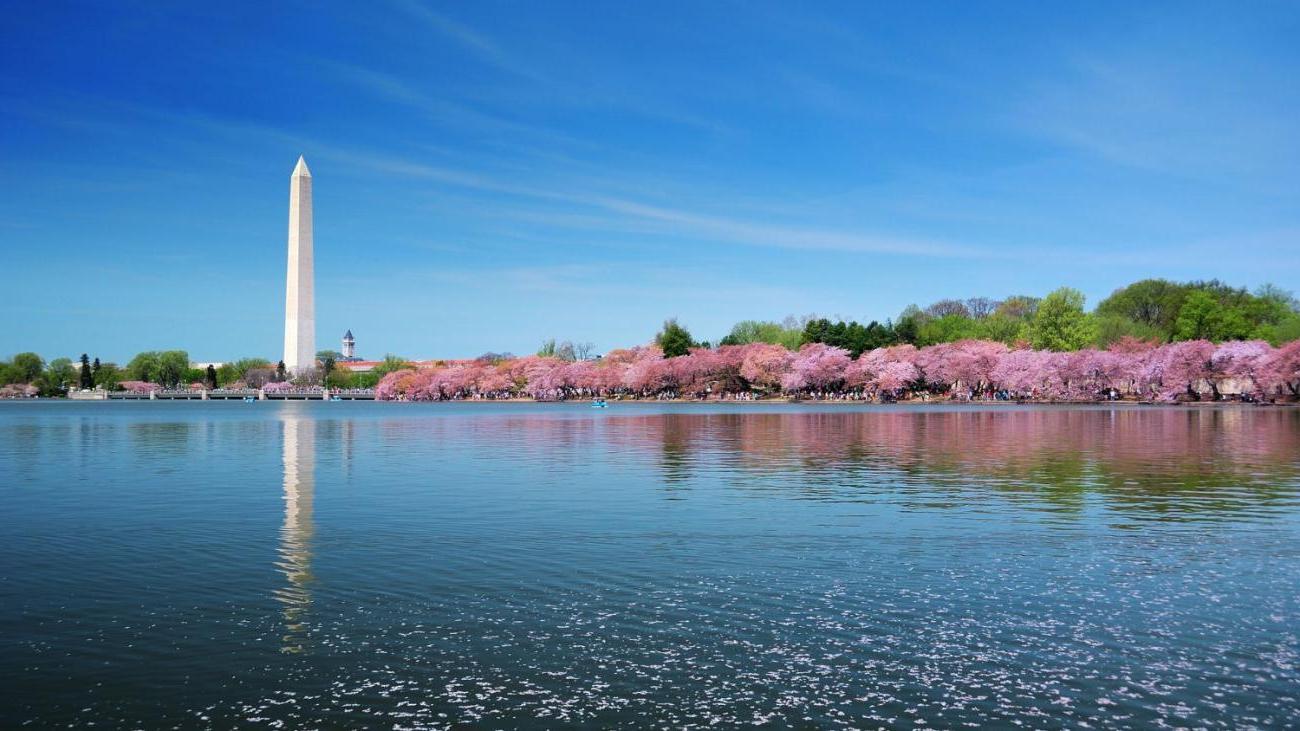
[(599, 403)]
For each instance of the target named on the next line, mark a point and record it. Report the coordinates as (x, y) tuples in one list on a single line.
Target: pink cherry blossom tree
[(1022, 372), (764, 365), (1280, 372), (963, 368), (647, 374), (817, 366), (1177, 369), (1241, 361), (884, 372)]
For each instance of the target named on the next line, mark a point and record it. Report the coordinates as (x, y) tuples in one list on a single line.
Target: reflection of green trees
[(1166, 464), (160, 439)]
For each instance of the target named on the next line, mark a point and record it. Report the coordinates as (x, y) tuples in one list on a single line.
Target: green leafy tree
[(26, 368), (344, 378), (851, 336), (1112, 327), (173, 367), (226, 375), (229, 373), (1018, 307), (1273, 293), (87, 378), (326, 368), (1060, 322), (674, 339), (1151, 302), (1002, 328), (281, 373), (907, 328), (859, 338), (210, 377), (946, 329), (817, 330), (58, 376), (144, 367), (108, 375), (321, 355), (1204, 317), (168, 367), (363, 380), (773, 333), (389, 364), (1283, 332)]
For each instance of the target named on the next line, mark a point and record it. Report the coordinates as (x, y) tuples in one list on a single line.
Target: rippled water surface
[(421, 566)]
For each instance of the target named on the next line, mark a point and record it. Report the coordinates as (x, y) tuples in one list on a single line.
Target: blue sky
[(488, 175)]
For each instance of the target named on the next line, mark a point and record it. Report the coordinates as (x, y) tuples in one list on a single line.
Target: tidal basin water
[(299, 565)]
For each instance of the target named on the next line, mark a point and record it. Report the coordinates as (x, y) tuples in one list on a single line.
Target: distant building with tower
[(349, 345)]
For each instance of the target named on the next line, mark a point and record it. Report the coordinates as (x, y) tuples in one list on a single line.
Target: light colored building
[(365, 366), (349, 345)]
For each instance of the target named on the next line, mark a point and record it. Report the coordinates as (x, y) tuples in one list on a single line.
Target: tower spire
[(300, 288)]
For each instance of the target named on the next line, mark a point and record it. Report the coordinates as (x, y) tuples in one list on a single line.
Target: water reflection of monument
[(299, 451)]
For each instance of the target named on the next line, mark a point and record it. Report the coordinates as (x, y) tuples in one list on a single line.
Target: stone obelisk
[(300, 288)]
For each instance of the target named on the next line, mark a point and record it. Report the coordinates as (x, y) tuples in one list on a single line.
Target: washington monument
[(300, 288)]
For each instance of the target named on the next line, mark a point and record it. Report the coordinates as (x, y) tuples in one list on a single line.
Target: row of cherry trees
[(965, 369)]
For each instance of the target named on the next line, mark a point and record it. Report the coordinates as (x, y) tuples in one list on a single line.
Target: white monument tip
[(301, 168)]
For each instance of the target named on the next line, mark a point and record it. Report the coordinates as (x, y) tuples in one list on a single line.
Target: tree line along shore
[(1251, 370), (1153, 339)]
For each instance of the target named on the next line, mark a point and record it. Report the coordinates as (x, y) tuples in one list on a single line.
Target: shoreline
[(716, 402)]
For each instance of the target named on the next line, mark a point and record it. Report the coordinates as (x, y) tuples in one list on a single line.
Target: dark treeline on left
[(28, 374)]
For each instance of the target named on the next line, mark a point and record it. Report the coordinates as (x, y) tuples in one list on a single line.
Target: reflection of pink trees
[(965, 369)]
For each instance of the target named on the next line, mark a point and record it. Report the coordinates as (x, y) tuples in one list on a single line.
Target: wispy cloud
[(1148, 114), (476, 43), (439, 109), (612, 279), (685, 223)]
